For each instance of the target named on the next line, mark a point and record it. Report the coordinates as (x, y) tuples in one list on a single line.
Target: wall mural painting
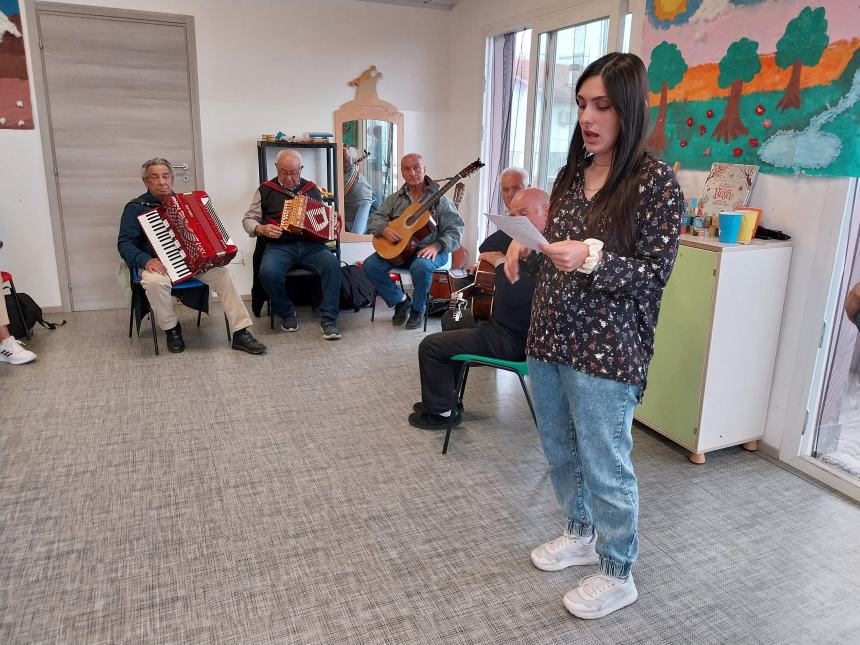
[(774, 83), (16, 111)]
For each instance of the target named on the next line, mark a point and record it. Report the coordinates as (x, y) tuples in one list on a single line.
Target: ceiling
[(446, 5)]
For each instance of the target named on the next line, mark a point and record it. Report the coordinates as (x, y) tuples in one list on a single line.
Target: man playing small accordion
[(286, 250)]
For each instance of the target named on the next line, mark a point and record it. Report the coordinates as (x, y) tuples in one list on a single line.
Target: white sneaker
[(12, 351), (565, 551), (599, 595)]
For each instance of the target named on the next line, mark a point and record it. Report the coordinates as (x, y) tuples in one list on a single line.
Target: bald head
[(532, 203), (289, 154), (289, 166)]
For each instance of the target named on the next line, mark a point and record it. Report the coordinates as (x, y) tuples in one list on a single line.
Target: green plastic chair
[(520, 368)]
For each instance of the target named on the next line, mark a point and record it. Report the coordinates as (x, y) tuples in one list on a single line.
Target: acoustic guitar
[(478, 296), (416, 222)]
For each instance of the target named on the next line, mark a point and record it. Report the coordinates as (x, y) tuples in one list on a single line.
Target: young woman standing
[(613, 236)]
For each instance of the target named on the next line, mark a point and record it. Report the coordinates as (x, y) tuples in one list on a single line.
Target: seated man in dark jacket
[(503, 336), (135, 249), (283, 250)]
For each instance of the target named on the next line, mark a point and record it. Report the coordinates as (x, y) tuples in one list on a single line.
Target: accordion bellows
[(305, 216), (187, 235)]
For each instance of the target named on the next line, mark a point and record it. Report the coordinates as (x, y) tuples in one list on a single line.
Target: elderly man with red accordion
[(288, 213), (137, 250)]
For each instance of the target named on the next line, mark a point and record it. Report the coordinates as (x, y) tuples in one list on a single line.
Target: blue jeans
[(421, 269), (278, 259), (584, 423)]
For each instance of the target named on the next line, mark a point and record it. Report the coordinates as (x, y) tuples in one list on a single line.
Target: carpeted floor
[(217, 497)]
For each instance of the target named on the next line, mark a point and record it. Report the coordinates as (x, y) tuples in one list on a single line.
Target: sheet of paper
[(519, 228)]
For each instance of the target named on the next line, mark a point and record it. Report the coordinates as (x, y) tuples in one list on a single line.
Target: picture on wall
[(774, 83), (16, 111)]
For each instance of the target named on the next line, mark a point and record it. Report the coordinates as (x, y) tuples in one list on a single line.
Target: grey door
[(120, 89)]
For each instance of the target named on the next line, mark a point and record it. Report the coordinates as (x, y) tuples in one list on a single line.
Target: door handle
[(182, 166)]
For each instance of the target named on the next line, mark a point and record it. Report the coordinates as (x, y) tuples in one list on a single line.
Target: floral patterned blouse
[(603, 323)]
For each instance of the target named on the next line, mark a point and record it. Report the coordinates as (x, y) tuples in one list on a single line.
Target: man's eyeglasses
[(290, 173)]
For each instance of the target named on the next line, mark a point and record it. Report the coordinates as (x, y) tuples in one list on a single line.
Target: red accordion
[(305, 216), (187, 235)]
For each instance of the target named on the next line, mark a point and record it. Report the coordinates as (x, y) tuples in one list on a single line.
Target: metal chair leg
[(154, 327), (461, 390), (528, 398), (18, 305), (131, 315)]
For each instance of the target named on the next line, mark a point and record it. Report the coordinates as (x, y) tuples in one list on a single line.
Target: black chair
[(192, 293), (259, 297), (396, 276)]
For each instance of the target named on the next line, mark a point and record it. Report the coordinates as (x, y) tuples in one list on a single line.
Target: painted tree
[(803, 43), (738, 66), (666, 70)]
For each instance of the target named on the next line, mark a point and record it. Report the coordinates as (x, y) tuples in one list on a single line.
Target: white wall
[(25, 218), (263, 66)]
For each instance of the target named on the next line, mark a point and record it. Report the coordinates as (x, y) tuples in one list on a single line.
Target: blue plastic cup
[(730, 227)]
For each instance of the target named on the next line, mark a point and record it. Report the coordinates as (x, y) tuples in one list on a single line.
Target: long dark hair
[(611, 215)]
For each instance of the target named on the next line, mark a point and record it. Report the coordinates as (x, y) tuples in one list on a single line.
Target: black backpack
[(356, 290), (32, 313)]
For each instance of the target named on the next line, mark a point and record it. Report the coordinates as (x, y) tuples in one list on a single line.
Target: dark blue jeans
[(421, 269), (278, 259)]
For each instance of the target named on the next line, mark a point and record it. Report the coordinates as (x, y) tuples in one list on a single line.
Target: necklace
[(593, 190), (600, 165)]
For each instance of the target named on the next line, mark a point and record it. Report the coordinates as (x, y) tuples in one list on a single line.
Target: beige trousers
[(158, 287), (4, 315)]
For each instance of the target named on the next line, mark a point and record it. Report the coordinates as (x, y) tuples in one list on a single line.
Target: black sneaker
[(175, 344), (401, 311), (290, 323), (418, 407), (329, 330), (244, 340), (427, 421), (415, 320)]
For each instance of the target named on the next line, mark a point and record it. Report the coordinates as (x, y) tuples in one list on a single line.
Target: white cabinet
[(709, 381)]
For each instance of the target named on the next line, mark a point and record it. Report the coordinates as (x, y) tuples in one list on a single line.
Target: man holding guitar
[(502, 336), (434, 243), (492, 250)]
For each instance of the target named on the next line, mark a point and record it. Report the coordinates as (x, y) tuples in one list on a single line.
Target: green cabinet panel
[(673, 393)]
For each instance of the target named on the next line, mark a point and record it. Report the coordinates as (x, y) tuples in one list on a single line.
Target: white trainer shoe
[(12, 351), (598, 595), (565, 551)]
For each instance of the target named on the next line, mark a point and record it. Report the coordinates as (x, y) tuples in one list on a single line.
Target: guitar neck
[(431, 203)]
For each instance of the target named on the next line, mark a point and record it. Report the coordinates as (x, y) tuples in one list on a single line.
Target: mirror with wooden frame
[(372, 131)]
